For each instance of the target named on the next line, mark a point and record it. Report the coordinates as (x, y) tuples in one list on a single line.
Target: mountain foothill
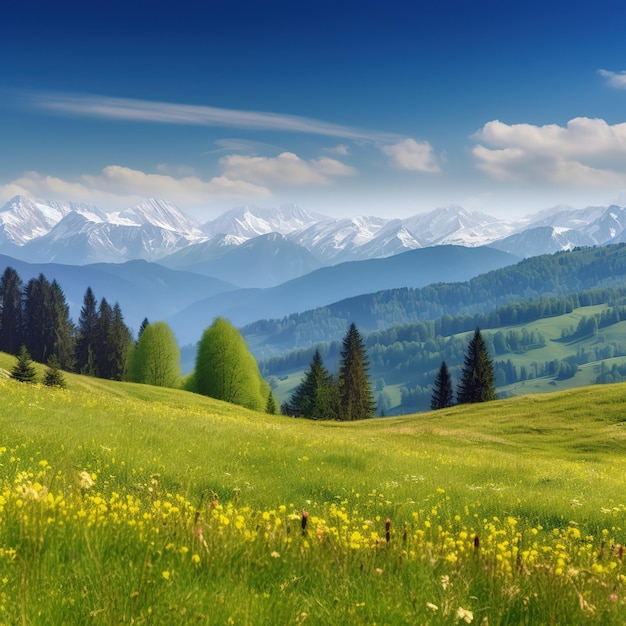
[(293, 279)]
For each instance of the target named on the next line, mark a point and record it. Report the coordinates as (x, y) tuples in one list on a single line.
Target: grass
[(195, 511), (554, 348)]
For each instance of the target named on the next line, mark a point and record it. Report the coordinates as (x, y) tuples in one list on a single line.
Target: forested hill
[(544, 276)]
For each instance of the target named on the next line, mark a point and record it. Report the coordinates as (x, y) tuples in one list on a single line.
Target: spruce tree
[(354, 389), (61, 343), (11, 311), (53, 376), (143, 327), (315, 396), (477, 377), (38, 324), (101, 347), (24, 370), (442, 390), (87, 329), (119, 340), (271, 408)]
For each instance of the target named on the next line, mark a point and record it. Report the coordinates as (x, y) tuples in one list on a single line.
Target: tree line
[(349, 396), (535, 288), (35, 324), (36, 315)]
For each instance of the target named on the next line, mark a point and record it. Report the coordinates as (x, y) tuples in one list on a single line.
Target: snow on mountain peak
[(251, 221), (157, 213)]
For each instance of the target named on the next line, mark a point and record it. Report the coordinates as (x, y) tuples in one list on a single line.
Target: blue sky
[(345, 108)]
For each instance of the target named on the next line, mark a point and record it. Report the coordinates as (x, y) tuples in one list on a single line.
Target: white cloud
[(585, 152), (117, 187), (241, 145), (188, 114), (286, 169), (340, 150), (412, 155), (614, 79)]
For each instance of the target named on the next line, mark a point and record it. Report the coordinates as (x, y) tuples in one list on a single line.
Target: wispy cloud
[(242, 145), (117, 186), (586, 152), (196, 115), (286, 169), (341, 150), (614, 79)]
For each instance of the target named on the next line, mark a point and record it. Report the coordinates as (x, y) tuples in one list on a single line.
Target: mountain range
[(264, 247)]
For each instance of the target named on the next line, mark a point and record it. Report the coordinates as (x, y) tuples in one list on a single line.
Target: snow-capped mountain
[(563, 216), (251, 221), (79, 233), (337, 240), (542, 240), (23, 219), (393, 238), (456, 226), (160, 214), (74, 233), (608, 227)]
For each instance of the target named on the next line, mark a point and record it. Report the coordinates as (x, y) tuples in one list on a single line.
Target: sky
[(344, 108)]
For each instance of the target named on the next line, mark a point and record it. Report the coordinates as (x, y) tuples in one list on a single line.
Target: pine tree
[(143, 327), (477, 377), (354, 389), (315, 396), (11, 311), (24, 370), (442, 390), (62, 341), (87, 329), (271, 408), (119, 340), (53, 376), (38, 324), (101, 348)]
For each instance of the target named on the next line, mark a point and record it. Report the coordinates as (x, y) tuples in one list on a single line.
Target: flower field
[(113, 509)]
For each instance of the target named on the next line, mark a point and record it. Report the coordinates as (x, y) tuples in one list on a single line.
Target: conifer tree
[(102, 353), (315, 396), (11, 311), (119, 340), (442, 390), (53, 376), (477, 377), (61, 344), (24, 370), (143, 327), (354, 389), (271, 407), (87, 329), (38, 326)]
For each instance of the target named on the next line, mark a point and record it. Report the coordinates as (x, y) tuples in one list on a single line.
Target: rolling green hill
[(543, 352), (541, 277), (128, 503)]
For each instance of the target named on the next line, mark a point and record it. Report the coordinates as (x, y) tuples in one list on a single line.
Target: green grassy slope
[(555, 348), (542, 473)]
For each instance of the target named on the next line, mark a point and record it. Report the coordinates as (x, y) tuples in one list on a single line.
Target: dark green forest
[(544, 280), (410, 355)]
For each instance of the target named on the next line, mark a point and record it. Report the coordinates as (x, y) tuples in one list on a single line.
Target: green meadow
[(125, 503), (554, 349)]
